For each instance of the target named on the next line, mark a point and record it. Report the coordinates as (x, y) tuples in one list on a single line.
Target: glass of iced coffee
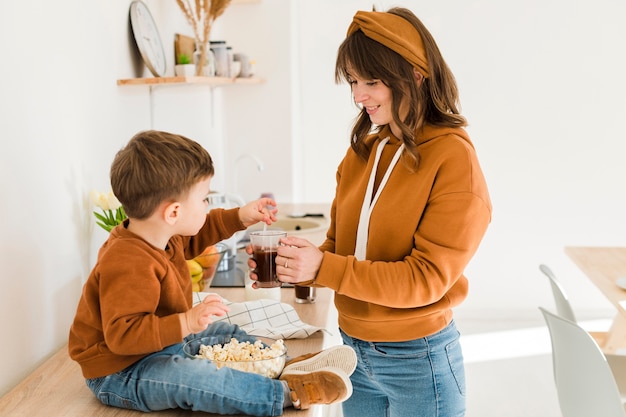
[(264, 246)]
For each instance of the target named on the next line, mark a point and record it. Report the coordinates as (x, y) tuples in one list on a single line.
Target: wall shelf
[(210, 81)]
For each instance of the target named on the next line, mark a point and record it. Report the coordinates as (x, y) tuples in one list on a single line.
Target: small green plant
[(183, 59)]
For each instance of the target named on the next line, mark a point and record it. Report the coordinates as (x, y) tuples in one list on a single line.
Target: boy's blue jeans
[(419, 378), (167, 379)]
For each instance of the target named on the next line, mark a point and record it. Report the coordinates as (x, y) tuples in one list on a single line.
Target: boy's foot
[(342, 357), (324, 386)]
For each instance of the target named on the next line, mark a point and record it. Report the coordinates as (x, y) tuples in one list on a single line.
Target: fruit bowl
[(266, 357), (203, 267)]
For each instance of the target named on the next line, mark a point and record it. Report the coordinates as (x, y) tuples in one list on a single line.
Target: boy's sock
[(286, 393)]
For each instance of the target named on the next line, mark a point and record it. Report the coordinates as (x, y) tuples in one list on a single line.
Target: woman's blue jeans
[(167, 379), (419, 378)]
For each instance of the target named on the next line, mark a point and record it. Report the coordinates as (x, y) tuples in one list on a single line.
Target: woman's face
[(376, 99)]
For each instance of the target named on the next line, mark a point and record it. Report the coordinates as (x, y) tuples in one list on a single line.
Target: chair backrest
[(563, 306), (584, 382)]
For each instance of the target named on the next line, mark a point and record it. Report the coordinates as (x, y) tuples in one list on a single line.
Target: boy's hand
[(198, 317), (262, 210)]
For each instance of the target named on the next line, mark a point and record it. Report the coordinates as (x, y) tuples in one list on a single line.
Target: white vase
[(209, 64)]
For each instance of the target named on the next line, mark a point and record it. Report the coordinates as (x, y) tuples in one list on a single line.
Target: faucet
[(259, 167)]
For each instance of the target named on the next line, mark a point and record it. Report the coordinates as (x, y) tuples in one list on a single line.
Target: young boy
[(136, 310)]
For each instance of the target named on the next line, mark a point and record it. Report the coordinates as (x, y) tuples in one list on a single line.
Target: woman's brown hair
[(435, 100)]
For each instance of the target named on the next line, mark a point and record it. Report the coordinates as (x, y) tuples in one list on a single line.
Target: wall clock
[(147, 38)]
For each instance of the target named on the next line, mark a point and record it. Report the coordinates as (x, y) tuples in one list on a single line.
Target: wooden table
[(57, 387), (603, 265)]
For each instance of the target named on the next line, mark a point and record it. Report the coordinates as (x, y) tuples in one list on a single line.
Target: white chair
[(584, 382), (617, 362), (563, 306)]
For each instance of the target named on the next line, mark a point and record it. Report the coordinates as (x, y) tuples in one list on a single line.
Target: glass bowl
[(203, 267), (226, 352)]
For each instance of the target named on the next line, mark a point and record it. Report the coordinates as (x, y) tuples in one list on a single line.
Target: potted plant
[(184, 67)]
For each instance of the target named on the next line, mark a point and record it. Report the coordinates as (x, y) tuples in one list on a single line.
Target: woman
[(410, 210)]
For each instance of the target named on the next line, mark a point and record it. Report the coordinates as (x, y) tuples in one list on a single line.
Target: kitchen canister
[(229, 60), (220, 51)]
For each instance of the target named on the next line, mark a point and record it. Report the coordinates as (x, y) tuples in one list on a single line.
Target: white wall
[(62, 118), (541, 83)]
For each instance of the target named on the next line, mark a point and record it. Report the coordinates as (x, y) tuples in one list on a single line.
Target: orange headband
[(395, 33)]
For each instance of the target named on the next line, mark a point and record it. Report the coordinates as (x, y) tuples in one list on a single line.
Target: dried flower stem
[(201, 16)]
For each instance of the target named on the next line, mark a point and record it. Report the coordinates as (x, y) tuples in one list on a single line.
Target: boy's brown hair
[(157, 166)]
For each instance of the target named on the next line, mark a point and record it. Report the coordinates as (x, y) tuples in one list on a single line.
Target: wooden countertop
[(57, 388)]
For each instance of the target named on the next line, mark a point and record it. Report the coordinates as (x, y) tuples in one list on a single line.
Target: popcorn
[(247, 357)]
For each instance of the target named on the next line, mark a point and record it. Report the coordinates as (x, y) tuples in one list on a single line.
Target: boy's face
[(194, 208)]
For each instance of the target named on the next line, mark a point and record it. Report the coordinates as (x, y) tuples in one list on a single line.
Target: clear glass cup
[(265, 244), (304, 294)]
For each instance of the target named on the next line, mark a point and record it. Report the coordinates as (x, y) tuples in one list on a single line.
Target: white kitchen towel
[(265, 317)]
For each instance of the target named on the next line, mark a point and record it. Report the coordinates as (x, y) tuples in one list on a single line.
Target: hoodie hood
[(424, 135)]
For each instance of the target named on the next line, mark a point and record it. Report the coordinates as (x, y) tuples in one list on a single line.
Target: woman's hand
[(262, 210), (198, 317), (298, 260)]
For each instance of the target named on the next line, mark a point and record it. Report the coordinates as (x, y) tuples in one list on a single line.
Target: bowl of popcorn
[(257, 355)]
